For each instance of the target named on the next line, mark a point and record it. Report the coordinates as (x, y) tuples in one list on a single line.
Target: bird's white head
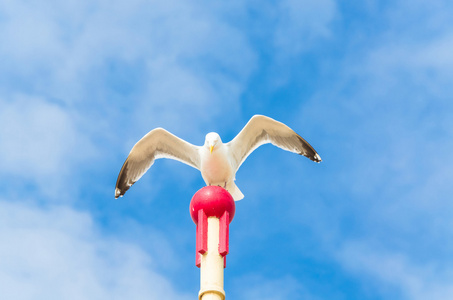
[(212, 140)]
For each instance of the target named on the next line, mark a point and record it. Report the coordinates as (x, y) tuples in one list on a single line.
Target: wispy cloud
[(179, 54), (41, 144), (253, 286), (388, 117), (58, 252), (301, 23), (414, 280)]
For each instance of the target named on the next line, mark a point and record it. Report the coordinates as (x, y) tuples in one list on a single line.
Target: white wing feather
[(261, 130), (157, 143)]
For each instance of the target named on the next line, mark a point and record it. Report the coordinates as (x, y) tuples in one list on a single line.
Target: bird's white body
[(216, 166), (217, 162)]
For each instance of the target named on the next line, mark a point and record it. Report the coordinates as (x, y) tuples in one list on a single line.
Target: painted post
[(212, 209)]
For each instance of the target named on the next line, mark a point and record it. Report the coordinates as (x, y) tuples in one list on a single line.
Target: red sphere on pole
[(214, 201)]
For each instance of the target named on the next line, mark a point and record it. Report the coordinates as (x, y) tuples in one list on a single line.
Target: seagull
[(218, 162)]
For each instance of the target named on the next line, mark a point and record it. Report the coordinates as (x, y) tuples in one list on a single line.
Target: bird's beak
[(210, 148)]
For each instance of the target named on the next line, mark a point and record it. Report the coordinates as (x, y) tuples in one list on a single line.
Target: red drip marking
[(202, 232), (224, 233), (202, 236), (224, 262), (198, 259)]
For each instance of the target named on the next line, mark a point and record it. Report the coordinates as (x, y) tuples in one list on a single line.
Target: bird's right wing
[(261, 130), (157, 143)]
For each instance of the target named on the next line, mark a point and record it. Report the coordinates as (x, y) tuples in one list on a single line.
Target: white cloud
[(37, 136), (71, 41), (389, 115), (392, 100), (425, 63), (253, 286), (300, 23), (414, 280), (59, 253), (41, 142), (168, 63)]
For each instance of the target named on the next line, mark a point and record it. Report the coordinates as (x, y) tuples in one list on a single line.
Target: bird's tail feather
[(234, 191)]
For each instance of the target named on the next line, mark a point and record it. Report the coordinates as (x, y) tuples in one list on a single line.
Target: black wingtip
[(308, 151), (317, 158), (313, 157), (119, 192)]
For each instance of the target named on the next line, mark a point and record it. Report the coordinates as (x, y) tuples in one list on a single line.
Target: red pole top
[(214, 201)]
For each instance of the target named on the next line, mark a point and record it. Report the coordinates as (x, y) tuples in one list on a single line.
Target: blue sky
[(368, 84)]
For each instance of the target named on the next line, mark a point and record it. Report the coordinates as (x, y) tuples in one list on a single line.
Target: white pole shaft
[(211, 268)]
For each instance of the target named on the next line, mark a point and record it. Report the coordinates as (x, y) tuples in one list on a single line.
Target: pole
[(211, 267), (212, 208)]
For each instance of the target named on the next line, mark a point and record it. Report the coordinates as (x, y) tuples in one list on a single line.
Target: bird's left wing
[(157, 143), (262, 130)]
